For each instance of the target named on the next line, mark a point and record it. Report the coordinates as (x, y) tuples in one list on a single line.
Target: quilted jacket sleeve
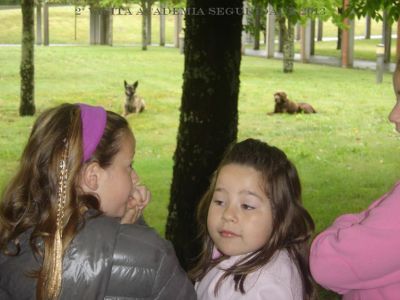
[(145, 267)]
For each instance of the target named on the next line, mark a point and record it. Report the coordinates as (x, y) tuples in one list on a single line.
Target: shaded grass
[(346, 153)]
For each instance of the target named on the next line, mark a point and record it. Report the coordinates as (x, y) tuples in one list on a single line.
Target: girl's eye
[(218, 202), (247, 207)]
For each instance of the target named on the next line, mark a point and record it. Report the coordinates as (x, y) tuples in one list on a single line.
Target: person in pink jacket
[(358, 256)]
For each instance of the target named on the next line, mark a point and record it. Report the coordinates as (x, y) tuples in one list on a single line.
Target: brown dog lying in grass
[(284, 105)]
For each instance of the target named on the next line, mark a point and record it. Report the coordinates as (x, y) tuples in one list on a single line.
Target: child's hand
[(136, 204)]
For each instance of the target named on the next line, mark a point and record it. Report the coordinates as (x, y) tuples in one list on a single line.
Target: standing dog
[(284, 105), (133, 103)]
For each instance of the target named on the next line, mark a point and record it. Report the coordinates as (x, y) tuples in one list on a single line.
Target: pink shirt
[(359, 255), (277, 280)]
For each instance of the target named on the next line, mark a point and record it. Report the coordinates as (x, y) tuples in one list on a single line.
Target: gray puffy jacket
[(106, 260)]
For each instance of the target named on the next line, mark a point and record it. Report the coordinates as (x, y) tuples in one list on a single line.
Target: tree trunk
[(144, 25), (280, 40), (312, 38), (148, 22), (320, 30), (367, 27), (39, 23), (46, 33), (257, 25), (339, 33), (162, 24), (386, 37), (288, 43), (27, 68), (209, 115)]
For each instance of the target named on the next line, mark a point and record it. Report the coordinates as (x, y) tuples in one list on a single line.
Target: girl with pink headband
[(68, 218)]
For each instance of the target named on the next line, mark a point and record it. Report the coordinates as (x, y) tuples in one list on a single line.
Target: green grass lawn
[(346, 154)]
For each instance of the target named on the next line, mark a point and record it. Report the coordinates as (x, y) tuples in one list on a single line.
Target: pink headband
[(94, 120)]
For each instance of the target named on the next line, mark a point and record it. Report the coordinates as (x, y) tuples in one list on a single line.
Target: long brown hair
[(292, 224), (29, 201)]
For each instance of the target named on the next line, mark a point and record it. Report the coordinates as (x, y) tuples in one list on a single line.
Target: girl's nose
[(394, 115), (229, 214)]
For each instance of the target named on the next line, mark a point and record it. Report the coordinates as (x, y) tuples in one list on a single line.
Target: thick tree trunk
[(27, 68), (287, 30), (209, 115)]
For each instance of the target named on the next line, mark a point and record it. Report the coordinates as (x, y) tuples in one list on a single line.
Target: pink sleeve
[(360, 251)]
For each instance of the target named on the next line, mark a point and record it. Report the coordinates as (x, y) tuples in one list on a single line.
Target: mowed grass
[(345, 153)]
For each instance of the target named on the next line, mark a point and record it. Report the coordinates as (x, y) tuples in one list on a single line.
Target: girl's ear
[(90, 177)]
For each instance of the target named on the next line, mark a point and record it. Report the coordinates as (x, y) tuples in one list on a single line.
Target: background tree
[(209, 116), (256, 21), (27, 67), (290, 12), (375, 9)]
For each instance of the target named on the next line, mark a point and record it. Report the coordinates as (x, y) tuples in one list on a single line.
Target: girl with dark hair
[(66, 218), (255, 231)]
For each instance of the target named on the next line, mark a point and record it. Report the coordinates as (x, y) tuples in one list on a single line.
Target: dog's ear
[(135, 84), (283, 95), (125, 83)]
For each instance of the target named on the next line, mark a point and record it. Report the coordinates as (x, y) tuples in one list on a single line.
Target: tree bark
[(367, 27), (386, 36), (312, 38), (27, 68), (339, 32), (287, 30), (320, 30), (144, 25), (148, 22), (162, 24), (209, 115), (46, 33), (257, 25), (39, 23)]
